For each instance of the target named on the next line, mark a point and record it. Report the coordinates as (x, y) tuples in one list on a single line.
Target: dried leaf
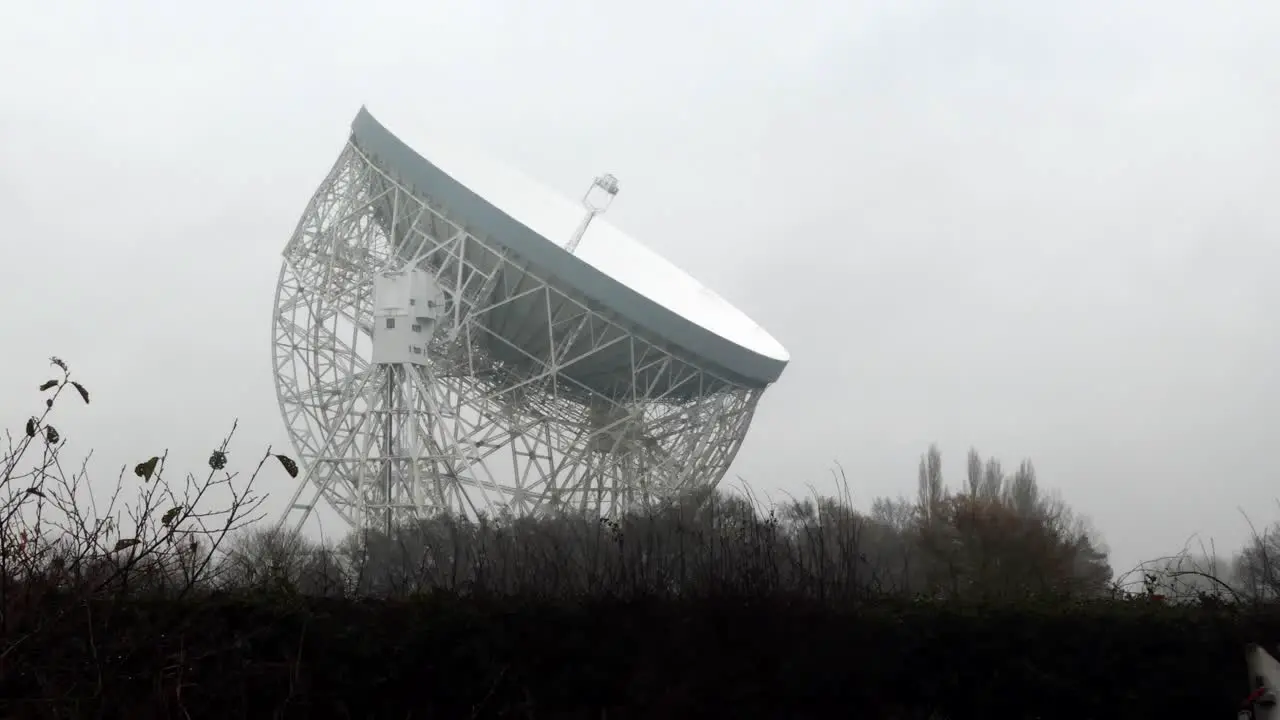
[(125, 544), (170, 515), (290, 466), (51, 434), (31, 427), (37, 492), (48, 384), (146, 469), (84, 394), (58, 361)]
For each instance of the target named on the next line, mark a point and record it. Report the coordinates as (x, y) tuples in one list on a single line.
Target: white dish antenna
[(436, 350)]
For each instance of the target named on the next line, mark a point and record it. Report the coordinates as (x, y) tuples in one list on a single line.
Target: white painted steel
[(533, 396), (603, 245), (494, 201)]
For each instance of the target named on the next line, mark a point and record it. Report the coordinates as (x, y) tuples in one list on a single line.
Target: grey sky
[(1042, 229)]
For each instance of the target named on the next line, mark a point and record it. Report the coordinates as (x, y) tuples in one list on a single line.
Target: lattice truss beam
[(532, 399)]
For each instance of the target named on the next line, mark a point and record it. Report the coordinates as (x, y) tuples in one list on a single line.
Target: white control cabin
[(407, 305)]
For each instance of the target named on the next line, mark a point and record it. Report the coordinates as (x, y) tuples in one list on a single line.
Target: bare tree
[(992, 479), (1255, 568), (975, 472), (59, 537), (931, 491)]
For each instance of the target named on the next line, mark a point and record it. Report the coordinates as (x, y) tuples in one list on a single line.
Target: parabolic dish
[(447, 339), (610, 269)]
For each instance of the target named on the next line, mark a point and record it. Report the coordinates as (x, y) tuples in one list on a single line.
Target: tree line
[(998, 534)]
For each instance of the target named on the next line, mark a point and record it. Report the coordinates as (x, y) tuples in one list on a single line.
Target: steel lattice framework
[(507, 412)]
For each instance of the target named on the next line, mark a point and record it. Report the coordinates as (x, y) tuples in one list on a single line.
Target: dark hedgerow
[(993, 602), (226, 656)]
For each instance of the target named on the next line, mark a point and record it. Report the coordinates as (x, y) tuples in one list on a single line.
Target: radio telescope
[(451, 337)]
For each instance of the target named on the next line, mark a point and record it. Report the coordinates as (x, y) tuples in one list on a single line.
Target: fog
[(1042, 230)]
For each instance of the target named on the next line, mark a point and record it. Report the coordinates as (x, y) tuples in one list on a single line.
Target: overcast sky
[(1042, 229)]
